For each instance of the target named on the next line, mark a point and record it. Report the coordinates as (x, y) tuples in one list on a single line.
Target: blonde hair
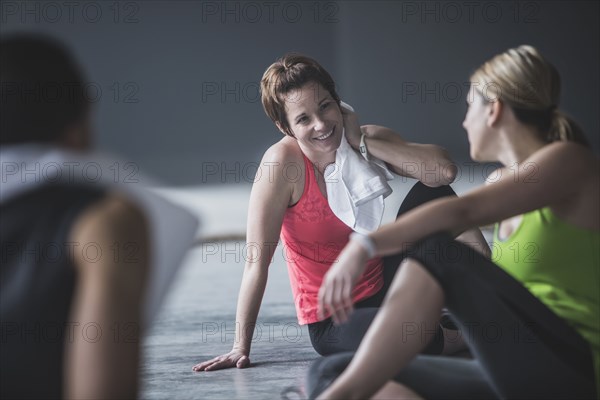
[(522, 79), (292, 71)]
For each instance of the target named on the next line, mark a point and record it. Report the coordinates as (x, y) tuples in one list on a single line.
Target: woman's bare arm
[(271, 194), (557, 173), (553, 175), (103, 352), (428, 163)]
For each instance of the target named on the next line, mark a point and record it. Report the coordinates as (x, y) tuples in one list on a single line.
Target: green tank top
[(560, 264)]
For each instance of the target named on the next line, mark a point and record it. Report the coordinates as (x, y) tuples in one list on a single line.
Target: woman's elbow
[(440, 170), (449, 172)]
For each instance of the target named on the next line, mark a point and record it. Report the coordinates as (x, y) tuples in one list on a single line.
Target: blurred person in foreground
[(77, 285)]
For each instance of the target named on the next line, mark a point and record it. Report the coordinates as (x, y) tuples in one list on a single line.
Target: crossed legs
[(522, 349)]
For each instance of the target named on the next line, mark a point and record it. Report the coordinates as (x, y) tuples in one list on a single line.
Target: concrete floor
[(197, 319), (197, 323)]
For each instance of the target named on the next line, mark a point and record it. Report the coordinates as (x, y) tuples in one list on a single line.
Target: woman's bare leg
[(404, 325), (394, 390)]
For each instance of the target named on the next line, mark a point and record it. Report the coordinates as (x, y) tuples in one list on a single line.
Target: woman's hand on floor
[(232, 359), (335, 294)]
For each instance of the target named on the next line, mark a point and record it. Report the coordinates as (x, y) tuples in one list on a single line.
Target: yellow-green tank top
[(560, 264)]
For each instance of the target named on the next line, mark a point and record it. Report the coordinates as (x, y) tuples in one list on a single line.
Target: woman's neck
[(320, 160), (519, 145)]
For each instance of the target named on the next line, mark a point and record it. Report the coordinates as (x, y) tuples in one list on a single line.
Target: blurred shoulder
[(568, 158), (115, 219)]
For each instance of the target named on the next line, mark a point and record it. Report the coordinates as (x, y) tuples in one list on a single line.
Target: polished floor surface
[(197, 320)]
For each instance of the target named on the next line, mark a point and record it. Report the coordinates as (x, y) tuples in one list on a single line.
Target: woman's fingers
[(347, 297), (323, 298), (201, 366), (344, 303), (328, 298), (335, 293), (338, 315), (339, 301), (335, 298), (220, 362)]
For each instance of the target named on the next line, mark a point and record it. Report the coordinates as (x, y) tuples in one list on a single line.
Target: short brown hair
[(292, 71)]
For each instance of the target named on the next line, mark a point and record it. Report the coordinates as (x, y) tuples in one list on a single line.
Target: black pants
[(522, 349), (328, 338)]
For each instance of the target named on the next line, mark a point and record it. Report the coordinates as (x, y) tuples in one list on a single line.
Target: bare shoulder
[(578, 157), (285, 165), (285, 150), (113, 221), (566, 162), (575, 166), (563, 168), (113, 214), (285, 159)]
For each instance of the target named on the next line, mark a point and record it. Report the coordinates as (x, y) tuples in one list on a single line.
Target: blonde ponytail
[(525, 81), (563, 127)]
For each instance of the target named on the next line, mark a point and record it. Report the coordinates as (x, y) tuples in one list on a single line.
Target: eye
[(325, 105), (302, 120)]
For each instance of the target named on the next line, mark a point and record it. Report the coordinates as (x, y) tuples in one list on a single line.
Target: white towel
[(356, 188), (26, 167)]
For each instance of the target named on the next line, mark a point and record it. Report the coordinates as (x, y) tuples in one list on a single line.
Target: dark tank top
[(37, 282)]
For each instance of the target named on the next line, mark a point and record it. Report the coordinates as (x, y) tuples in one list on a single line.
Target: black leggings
[(522, 349), (328, 338)]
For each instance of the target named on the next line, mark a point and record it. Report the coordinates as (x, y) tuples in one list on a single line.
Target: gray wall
[(407, 64), (179, 79)]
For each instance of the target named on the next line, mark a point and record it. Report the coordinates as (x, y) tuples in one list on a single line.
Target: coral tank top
[(313, 238)]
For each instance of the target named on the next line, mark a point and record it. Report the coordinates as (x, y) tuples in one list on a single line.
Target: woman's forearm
[(250, 297), (428, 163), (442, 215)]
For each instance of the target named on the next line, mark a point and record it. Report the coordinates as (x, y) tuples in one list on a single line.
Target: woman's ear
[(494, 113)]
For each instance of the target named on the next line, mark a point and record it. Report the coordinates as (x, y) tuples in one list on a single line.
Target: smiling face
[(315, 120)]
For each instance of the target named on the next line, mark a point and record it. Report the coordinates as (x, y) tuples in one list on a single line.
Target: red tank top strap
[(310, 181), (307, 173)]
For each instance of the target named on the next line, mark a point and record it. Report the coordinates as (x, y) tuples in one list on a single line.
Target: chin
[(475, 156), (482, 158)]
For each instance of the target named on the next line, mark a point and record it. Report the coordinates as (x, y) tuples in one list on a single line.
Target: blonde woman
[(531, 317)]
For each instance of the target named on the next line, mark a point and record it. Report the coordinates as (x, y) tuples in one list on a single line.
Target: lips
[(326, 135)]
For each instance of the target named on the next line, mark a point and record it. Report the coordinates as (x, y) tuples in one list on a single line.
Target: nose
[(320, 124)]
